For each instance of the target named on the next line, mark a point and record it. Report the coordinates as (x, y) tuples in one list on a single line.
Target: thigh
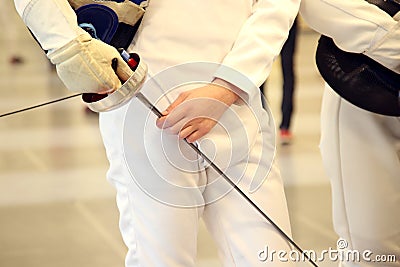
[(156, 234), (241, 233), (158, 183), (360, 155)]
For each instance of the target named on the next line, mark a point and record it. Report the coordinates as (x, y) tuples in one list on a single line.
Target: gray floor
[(56, 209)]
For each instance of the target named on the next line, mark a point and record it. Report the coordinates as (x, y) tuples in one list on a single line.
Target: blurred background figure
[(289, 82)]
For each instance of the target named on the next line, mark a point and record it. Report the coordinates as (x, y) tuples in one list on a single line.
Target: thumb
[(113, 82), (176, 103), (122, 69)]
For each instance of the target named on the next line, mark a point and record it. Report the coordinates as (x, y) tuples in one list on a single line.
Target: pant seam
[(341, 171)]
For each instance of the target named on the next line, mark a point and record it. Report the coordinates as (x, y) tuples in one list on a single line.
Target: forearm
[(52, 22), (258, 44), (82, 62)]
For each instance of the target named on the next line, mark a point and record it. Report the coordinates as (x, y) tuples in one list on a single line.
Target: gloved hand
[(83, 63)]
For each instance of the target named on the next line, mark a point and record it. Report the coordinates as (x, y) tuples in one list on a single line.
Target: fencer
[(359, 148), (205, 61)]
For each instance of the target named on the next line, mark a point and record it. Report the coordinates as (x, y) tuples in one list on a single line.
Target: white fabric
[(159, 220), (163, 235), (20, 6), (259, 39), (85, 65), (385, 50), (361, 154), (52, 22), (359, 148), (245, 35), (356, 26), (158, 234), (82, 63)]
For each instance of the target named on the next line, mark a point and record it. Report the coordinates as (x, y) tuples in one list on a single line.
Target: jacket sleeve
[(20, 5), (258, 43), (356, 26), (52, 22)]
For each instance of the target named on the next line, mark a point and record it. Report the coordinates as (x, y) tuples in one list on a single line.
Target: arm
[(53, 23), (194, 113), (82, 63), (258, 43), (358, 27)]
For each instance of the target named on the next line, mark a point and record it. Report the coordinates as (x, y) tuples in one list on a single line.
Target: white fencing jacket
[(357, 26), (246, 35)]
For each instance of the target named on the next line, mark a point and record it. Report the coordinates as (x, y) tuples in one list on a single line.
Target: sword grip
[(149, 105), (132, 62)]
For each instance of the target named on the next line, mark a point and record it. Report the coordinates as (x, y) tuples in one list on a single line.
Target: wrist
[(230, 91), (226, 95), (70, 49)]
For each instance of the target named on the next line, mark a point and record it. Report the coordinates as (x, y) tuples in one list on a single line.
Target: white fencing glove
[(82, 62), (84, 65)]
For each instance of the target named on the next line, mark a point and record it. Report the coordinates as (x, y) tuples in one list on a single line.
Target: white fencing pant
[(360, 151), (158, 233)]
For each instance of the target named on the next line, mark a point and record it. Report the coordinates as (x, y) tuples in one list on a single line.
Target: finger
[(171, 127), (160, 121), (117, 82), (114, 63), (203, 127), (114, 81), (123, 71), (194, 136), (174, 130), (176, 103), (111, 86), (177, 118), (186, 131)]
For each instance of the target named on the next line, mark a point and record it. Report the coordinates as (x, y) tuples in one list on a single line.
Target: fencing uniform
[(360, 149), (199, 33), (164, 187)]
